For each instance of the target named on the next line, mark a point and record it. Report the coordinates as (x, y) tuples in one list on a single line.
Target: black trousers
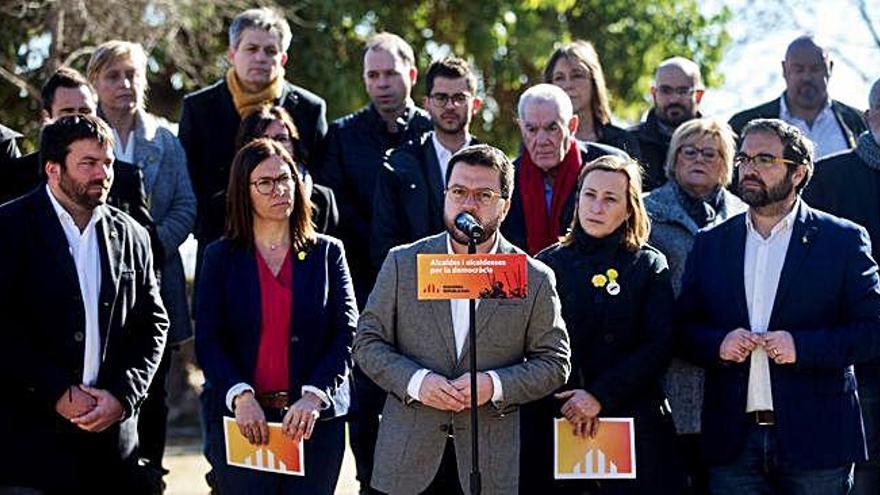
[(153, 416), (363, 423)]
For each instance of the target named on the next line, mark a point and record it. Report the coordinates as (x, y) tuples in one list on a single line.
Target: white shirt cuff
[(325, 401), (497, 393), (415, 383), (233, 392)]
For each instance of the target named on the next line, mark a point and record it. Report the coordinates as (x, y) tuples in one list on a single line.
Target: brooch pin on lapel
[(301, 255), (607, 280)]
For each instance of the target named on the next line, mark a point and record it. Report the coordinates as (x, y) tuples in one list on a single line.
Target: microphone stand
[(472, 333)]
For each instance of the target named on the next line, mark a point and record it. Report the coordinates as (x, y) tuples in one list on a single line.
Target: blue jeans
[(757, 471), (867, 477)]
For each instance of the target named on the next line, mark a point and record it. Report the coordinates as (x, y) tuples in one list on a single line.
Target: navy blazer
[(828, 299), (323, 321), (43, 324)]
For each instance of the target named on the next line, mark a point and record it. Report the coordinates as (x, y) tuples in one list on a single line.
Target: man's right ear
[(47, 117)]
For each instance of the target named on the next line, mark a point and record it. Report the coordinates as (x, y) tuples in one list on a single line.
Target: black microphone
[(466, 223)]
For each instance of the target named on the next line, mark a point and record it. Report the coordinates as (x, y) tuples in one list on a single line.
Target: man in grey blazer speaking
[(416, 350)]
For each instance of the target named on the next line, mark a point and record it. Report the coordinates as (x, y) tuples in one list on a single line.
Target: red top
[(276, 304)]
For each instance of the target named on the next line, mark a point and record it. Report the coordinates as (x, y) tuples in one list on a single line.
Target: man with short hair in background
[(409, 191), (805, 104), (258, 43), (677, 92), (355, 148)]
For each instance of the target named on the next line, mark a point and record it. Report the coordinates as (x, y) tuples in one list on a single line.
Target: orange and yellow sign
[(281, 455), (611, 454), (472, 276)]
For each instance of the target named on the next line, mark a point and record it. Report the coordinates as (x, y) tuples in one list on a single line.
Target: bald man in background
[(677, 91), (831, 125)]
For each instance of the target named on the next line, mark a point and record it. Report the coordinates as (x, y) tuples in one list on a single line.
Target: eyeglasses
[(761, 160), (483, 197), (680, 91), (692, 152), (267, 185), (458, 99)]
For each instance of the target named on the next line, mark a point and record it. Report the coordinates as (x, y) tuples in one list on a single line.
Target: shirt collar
[(786, 223), (66, 217), (441, 150), (491, 251), (785, 113)]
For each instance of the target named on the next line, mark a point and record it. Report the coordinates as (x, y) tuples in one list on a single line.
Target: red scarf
[(543, 230)]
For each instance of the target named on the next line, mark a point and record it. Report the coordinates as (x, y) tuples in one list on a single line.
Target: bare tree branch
[(20, 83)]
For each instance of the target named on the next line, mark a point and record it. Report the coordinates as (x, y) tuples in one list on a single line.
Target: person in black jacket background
[(275, 123), (617, 301)]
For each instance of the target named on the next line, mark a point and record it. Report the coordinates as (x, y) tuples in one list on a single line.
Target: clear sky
[(752, 65)]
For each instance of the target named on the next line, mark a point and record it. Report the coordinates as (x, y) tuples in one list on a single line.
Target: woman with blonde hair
[(617, 305), (118, 72), (699, 166)]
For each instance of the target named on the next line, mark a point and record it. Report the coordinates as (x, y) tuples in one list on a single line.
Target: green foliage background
[(507, 41)]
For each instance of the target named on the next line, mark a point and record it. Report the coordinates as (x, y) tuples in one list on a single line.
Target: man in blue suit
[(778, 304)]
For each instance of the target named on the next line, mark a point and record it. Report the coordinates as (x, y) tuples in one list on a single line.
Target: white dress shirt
[(125, 153), (461, 320), (825, 132), (763, 266), (83, 248)]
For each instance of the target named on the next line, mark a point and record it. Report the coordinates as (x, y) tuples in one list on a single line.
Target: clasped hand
[(582, 411), (298, 423), (455, 395), (739, 344), (91, 409)]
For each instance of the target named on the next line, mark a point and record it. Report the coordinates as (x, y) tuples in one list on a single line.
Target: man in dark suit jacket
[(258, 44), (830, 124), (547, 123), (778, 304), (408, 203), (84, 326), (847, 184), (355, 149)]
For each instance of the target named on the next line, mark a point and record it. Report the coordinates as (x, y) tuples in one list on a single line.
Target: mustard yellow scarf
[(245, 101)]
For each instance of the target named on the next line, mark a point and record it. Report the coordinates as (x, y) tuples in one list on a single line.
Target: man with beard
[(677, 91), (416, 350), (546, 172), (408, 203), (805, 104), (848, 185), (84, 326), (778, 304)]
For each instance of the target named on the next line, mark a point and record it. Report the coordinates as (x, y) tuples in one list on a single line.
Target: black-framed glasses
[(483, 197), (692, 152), (761, 160), (267, 185), (680, 90), (458, 99)]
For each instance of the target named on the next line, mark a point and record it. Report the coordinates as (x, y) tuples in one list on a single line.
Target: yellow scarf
[(245, 101)]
